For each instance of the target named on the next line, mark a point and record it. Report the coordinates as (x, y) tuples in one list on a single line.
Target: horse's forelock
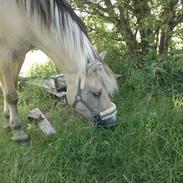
[(107, 77)]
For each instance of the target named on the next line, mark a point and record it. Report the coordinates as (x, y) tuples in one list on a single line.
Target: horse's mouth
[(108, 117)]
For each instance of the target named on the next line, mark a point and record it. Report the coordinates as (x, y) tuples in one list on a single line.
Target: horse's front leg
[(10, 94), (17, 64), (18, 60)]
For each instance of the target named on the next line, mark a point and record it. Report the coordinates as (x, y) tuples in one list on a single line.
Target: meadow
[(146, 146)]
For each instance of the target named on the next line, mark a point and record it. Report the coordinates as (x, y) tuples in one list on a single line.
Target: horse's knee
[(11, 98)]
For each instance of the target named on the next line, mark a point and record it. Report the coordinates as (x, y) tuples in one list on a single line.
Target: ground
[(146, 146)]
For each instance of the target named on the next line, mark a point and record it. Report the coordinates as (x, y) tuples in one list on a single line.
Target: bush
[(155, 74), (44, 71)]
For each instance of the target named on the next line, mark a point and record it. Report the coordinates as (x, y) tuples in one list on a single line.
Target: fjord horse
[(53, 27)]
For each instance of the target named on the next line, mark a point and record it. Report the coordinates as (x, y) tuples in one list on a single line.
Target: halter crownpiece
[(93, 66)]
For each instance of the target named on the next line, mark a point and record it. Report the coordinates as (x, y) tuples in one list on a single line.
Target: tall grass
[(146, 146)]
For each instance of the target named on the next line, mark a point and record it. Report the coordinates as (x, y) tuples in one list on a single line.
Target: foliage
[(139, 26), (43, 71)]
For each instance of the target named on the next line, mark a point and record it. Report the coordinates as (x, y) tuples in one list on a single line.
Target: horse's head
[(92, 101)]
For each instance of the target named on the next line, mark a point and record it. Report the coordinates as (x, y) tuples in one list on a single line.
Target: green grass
[(146, 146)]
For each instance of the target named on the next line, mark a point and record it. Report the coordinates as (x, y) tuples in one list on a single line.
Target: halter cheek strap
[(97, 117), (79, 98)]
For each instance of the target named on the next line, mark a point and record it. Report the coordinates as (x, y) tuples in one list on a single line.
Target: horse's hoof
[(19, 136)]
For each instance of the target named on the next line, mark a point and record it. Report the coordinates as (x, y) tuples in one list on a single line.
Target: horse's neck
[(63, 42), (19, 31), (46, 41)]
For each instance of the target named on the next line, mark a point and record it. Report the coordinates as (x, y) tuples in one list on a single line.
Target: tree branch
[(97, 6), (179, 18)]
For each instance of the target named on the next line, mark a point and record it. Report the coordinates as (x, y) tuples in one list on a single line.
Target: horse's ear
[(103, 54)]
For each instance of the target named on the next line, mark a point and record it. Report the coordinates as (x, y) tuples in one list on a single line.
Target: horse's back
[(12, 28)]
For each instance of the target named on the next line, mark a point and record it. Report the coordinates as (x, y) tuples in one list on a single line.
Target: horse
[(53, 27)]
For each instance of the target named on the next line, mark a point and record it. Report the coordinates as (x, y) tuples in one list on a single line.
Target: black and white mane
[(58, 14), (46, 10)]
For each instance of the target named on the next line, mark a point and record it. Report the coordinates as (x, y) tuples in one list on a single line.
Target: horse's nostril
[(97, 94)]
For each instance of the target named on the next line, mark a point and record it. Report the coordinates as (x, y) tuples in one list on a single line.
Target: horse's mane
[(44, 9), (71, 33)]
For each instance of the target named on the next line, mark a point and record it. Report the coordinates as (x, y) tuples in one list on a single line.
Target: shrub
[(44, 71)]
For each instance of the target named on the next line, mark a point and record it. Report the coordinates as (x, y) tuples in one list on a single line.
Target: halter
[(97, 116), (79, 98)]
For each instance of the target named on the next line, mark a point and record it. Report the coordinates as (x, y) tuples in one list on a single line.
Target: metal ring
[(78, 97)]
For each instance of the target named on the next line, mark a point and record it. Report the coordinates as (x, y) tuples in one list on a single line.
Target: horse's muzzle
[(108, 117), (109, 123)]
